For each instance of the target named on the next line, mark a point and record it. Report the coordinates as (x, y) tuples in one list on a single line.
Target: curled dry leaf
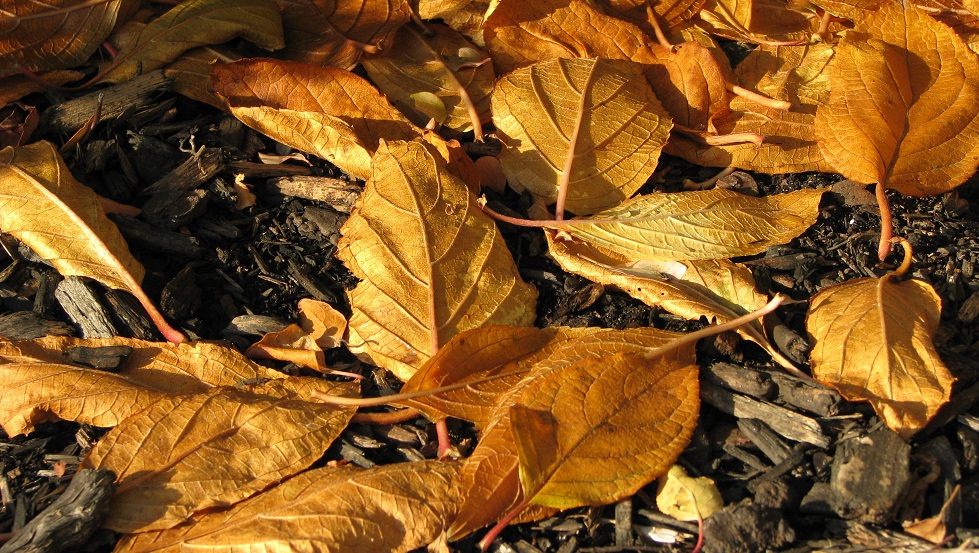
[(171, 459), (291, 344), (872, 340), (709, 224), (685, 498), (465, 16), (394, 508), (196, 23), (191, 72), (55, 35), (755, 20), (904, 104), (433, 265), (690, 81), (320, 110), (444, 64), (62, 220), (337, 33), (324, 324), (584, 132), (717, 289), (670, 13)]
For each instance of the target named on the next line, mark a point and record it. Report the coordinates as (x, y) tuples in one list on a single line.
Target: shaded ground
[(260, 260)]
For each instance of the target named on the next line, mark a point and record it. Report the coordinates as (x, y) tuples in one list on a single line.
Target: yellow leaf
[(710, 224), (599, 430), (43, 206), (904, 104), (445, 65), (291, 344), (685, 498), (58, 34), (670, 13), (320, 110), (754, 20), (690, 81), (433, 265), (196, 23), (716, 289), (465, 16), (337, 33), (394, 508), (325, 325), (588, 128), (872, 340), (187, 453)]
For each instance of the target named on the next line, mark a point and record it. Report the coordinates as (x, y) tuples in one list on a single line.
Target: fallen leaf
[(719, 290), (872, 340), (320, 110), (337, 33), (15, 87), (670, 13), (443, 64), (292, 344), (586, 132), (597, 431), (432, 264), (465, 16), (191, 72), (708, 224), (394, 508), (755, 20), (196, 23), (324, 324), (44, 207), (164, 457), (685, 498), (904, 104), (690, 82), (57, 34), (40, 392)]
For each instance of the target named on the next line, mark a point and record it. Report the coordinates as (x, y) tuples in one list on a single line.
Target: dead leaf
[(445, 65), (716, 289), (40, 392), (708, 224), (904, 104), (196, 23), (324, 324), (465, 16), (433, 265), (872, 340), (60, 219), (685, 498), (56, 34), (164, 457), (292, 344), (394, 508), (590, 129), (755, 20), (191, 72), (599, 430), (690, 81), (337, 33), (15, 87), (321, 110), (670, 13)]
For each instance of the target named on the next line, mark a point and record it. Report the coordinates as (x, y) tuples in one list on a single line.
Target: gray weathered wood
[(339, 194), (84, 309), (116, 100), (787, 423), (869, 476)]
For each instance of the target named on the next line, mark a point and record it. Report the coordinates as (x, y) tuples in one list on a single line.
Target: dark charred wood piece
[(157, 239), (131, 315), (789, 424), (107, 358), (69, 116), (870, 475), (28, 325)]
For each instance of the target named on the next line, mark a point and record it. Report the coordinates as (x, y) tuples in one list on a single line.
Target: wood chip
[(790, 424)]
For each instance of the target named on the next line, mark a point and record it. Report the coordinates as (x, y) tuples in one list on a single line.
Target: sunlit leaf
[(56, 216), (590, 126), (291, 344), (444, 65), (196, 23), (57, 34), (669, 13), (191, 72), (465, 16), (690, 81), (321, 110), (599, 430), (433, 265), (872, 340), (904, 104), (710, 224), (338, 33), (394, 508), (754, 20), (686, 498)]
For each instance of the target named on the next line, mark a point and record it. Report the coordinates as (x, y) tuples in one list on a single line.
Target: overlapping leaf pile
[(585, 96)]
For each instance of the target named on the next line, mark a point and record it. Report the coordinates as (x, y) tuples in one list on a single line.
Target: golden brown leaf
[(337, 33), (716, 289), (599, 430), (196, 23), (755, 20), (33, 393), (15, 87), (56, 216), (690, 81), (394, 508), (322, 322), (291, 344), (444, 64), (191, 72), (58, 34), (904, 104), (669, 13), (321, 110), (465, 16), (187, 453), (592, 127), (709, 224), (872, 340), (685, 498), (433, 265)]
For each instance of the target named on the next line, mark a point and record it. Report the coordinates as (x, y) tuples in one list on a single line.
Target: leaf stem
[(908, 253), (757, 98), (654, 23), (394, 417), (503, 522), (886, 222)]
